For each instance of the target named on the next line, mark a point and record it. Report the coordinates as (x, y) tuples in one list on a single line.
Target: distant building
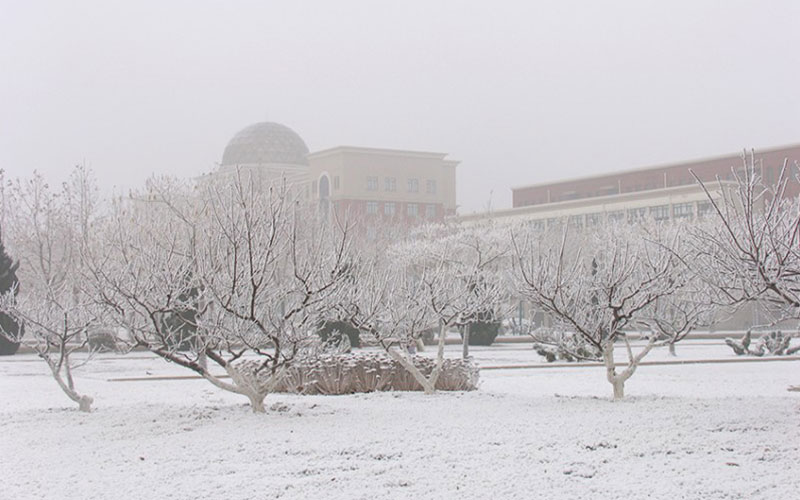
[(386, 186), (661, 193)]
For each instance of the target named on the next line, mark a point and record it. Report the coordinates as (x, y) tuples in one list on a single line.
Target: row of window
[(412, 209), (390, 185), (632, 215)]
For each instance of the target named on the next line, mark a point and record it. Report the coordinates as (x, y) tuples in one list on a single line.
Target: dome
[(263, 143)]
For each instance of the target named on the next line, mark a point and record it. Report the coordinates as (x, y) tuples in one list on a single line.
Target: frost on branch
[(601, 283), (221, 273), (749, 249), (439, 278), (50, 231)]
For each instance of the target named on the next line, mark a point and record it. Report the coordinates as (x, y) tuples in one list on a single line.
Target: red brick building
[(658, 177)]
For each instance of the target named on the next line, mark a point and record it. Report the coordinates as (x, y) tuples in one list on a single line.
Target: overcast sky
[(520, 92)]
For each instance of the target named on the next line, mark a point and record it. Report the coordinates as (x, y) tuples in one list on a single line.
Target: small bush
[(332, 331), (13, 330), (366, 372), (102, 341), (560, 345), (769, 344), (483, 332)]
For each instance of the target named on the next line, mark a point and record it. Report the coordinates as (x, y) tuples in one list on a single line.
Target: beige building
[(674, 203), (384, 184), (387, 186)]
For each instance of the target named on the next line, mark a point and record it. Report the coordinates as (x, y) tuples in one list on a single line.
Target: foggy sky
[(519, 92)]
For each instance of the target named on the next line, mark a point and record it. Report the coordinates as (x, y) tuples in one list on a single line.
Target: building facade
[(663, 193), (384, 184), (656, 178), (377, 186)]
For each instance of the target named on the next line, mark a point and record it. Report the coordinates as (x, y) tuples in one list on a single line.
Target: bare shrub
[(370, 372)]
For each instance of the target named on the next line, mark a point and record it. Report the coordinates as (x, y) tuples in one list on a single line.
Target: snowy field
[(702, 431)]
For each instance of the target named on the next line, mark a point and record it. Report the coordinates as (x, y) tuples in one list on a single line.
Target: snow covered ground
[(704, 431)]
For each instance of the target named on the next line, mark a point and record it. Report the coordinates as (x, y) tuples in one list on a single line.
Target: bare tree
[(386, 302), (750, 247), (673, 317), (49, 230), (600, 283), (440, 276), (253, 267)]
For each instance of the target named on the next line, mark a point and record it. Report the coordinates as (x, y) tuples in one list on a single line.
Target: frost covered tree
[(601, 284), (247, 270), (673, 317), (439, 277), (749, 248), (470, 284), (49, 230), (386, 302)]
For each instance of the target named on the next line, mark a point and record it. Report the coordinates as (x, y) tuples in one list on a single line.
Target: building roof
[(377, 151), (687, 163), (265, 143)]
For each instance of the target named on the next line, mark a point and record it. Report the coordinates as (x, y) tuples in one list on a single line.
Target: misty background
[(519, 92)]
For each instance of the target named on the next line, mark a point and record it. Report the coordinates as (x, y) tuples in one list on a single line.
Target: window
[(575, 221), (390, 184), (372, 207), (616, 216), (636, 214), (430, 211), (593, 219), (553, 222), (412, 210), (682, 210), (388, 208), (430, 186), (413, 185), (660, 212), (536, 225), (336, 182), (703, 208), (372, 183)]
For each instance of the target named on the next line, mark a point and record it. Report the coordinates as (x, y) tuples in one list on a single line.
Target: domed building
[(267, 151), (377, 185)]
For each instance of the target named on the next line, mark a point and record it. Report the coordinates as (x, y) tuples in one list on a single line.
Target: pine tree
[(10, 328)]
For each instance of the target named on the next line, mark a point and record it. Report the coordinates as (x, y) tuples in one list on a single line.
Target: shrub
[(332, 331), (369, 372), (10, 329), (14, 330), (102, 341), (483, 332), (560, 345), (769, 344)]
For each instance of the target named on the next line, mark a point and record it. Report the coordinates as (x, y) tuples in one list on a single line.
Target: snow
[(710, 431)]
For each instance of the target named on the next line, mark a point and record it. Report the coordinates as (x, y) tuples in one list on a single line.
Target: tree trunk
[(257, 402), (465, 342), (437, 369), (409, 365), (85, 404), (672, 349), (616, 381), (619, 388)]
